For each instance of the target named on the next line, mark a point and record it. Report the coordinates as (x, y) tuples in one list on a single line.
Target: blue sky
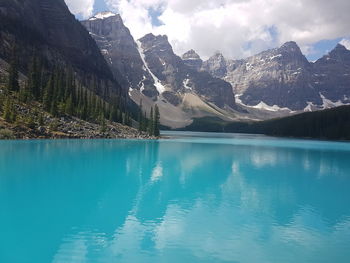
[(100, 6), (236, 28)]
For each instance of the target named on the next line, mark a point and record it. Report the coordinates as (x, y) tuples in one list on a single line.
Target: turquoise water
[(192, 198)]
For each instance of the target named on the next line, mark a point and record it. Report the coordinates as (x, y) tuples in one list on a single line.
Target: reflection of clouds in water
[(128, 166), (157, 173), (306, 162), (327, 167), (73, 249), (233, 222), (188, 165), (209, 232), (261, 158), (213, 232), (171, 228), (127, 239)]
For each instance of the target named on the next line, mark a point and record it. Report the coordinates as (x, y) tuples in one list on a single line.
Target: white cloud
[(237, 28), (346, 43), (83, 8)]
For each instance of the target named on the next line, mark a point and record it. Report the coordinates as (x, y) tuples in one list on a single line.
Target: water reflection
[(173, 201)]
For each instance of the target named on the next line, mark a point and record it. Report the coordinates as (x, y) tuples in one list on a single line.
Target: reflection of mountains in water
[(123, 197)]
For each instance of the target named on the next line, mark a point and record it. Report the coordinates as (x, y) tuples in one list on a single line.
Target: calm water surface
[(192, 198)]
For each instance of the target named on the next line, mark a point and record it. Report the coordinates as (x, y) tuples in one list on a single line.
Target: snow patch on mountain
[(263, 106), (276, 56), (185, 83), (157, 83), (102, 15), (330, 104)]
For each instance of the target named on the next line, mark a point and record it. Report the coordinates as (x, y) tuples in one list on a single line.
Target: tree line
[(61, 93), (151, 124)]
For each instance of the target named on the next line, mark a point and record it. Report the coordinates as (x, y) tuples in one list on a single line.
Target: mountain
[(283, 79), (192, 60), (179, 78), (154, 74), (120, 51), (273, 83), (280, 77), (53, 75), (52, 32), (331, 77), (216, 65)]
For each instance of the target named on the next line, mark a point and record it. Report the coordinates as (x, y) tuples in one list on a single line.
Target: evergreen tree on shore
[(34, 78), (61, 94), (151, 123), (140, 117), (13, 84), (9, 113), (48, 95), (156, 121)]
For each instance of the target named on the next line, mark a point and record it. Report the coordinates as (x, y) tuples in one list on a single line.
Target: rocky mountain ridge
[(273, 83), (153, 73), (283, 78)]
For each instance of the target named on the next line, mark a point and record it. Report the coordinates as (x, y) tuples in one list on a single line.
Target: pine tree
[(13, 84), (151, 123), (145, 122), (8, 110), (54, 108), (69, 109), (156, 121), (41, 119), (34, 78), (114, 114), (103, 123), (140, 117), (69, 84), (48, 95), (120, 116)]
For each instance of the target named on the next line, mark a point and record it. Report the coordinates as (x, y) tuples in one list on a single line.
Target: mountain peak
[(340, 47), (152, 36), (291, 45), (218, 54), (152, 40), (191, 54), (103, 15)]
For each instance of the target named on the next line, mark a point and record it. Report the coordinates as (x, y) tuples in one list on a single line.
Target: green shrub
[(6, 134)]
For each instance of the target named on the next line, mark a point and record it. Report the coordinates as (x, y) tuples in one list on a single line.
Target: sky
[(236, 28)]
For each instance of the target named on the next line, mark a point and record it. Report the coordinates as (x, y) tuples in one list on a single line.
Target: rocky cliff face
[(52, 32), (50, 25), (192, 60), (279, 77), (179, 78), (284, 78), (331, 76), (121, 52)]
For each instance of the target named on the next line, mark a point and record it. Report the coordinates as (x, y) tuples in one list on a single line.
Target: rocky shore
[(68, 127)]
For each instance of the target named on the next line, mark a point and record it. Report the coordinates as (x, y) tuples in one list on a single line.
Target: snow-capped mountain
[(331, 77), (153, 73), (282, 78), (273, 83)]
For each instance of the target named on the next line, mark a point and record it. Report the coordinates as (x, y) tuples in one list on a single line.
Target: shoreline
[(69, 128)]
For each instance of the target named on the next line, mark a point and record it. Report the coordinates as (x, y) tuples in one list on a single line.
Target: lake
[(195, 197)]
